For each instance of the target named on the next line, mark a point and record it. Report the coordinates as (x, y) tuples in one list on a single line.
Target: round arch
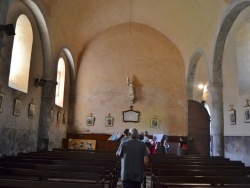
[(198, 53), (45, 39), (216, 87)]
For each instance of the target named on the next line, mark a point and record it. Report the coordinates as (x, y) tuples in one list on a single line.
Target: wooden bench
[(73, 159), (193, 172), (105, 173), (205, 163), (111, 176), (154, 168), (193, 181), (187, 159), (17, 183), (80, 154), (59, 157), (19, 173), (80, 150)]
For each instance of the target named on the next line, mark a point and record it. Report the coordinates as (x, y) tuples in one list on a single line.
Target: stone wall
[(237, 148)]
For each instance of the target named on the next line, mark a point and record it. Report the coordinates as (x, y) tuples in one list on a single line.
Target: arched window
[(60, 83), (21, 55)]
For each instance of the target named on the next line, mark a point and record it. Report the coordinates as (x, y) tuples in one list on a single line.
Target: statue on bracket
[(131, 93)]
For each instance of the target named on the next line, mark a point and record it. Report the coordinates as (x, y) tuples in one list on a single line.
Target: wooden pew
[(19, 173), (71, 153), (162, 158), (18, 183), (68, 158), (103, 159), (166, 160), (80, 150), (107, 159), (74, 166), (154, 169), (186, 157), (192, 172), (205, 163), (192, 181), (105, 173)]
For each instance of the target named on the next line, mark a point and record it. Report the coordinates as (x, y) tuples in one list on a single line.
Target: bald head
[(133, 132)]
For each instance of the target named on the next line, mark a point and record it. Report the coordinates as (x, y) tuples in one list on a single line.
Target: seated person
[(182, 143), (182, 147), (165, 145)]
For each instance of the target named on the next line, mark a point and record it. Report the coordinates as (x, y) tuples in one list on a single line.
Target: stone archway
[(216, 86), (47, 91), (191, 71), (72, 96)]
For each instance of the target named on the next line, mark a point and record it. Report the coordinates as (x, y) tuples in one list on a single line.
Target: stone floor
[(148, 184)]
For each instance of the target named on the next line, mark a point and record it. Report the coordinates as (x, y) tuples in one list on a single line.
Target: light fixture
[(200, 86), (40, 81), (8, 29)]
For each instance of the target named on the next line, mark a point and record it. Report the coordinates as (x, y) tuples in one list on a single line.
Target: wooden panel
[(198, 129), (102, 142), (82, 144)]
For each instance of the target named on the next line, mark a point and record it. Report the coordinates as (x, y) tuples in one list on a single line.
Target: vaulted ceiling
[(189, 24)]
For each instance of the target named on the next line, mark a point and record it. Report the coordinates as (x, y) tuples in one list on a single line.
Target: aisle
[(148, 184)]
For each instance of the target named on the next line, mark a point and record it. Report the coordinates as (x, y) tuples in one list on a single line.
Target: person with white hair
[(134, 160)]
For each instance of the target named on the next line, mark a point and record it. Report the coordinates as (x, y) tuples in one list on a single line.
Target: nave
[(101, 169)]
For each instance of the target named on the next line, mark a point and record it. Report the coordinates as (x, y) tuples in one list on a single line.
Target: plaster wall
[(155, 66)]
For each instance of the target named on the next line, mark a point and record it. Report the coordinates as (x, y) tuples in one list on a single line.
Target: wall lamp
[(40, 81), (8, 29)]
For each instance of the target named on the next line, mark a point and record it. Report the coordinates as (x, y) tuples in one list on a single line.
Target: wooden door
[(198, 129)]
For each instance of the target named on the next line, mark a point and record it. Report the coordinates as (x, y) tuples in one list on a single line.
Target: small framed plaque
[(90, 120), (131, 115)]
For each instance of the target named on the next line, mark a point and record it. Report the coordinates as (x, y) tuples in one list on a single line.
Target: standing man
[(134, 160), (126, 135)]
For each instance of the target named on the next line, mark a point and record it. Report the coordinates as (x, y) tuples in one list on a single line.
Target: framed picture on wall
[(1, 101), (64, 118), (154, 123), (58, 116), (232, 117), (17, 107), (90, 120), (247, 114), (109, 121), (31, 111)]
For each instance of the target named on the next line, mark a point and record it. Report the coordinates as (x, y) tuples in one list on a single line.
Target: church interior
[(94, 68)]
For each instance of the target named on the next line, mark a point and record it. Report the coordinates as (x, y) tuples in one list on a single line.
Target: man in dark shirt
[(134, 160)]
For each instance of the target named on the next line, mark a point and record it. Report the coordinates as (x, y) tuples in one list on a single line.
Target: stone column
[(72, 99), (217, 120), (45, 118)]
